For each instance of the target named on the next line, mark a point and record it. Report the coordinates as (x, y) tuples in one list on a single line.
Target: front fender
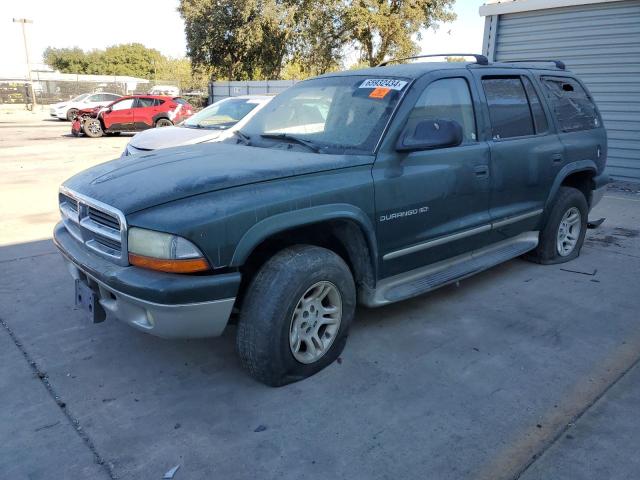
[(306, 216), (573, 167)]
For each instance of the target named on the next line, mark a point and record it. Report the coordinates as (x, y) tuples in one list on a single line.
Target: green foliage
[(387, 28), (133, 59), (249, 39)]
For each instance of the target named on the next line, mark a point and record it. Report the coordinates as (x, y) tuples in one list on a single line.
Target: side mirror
[(429, 134)]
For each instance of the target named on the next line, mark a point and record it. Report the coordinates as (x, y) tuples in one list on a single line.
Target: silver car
[(212, 124)]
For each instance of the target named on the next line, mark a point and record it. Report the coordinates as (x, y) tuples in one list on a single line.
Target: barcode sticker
[(390, 83)]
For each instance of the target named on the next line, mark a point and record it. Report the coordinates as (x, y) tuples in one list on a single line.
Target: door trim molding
[(460, 235)]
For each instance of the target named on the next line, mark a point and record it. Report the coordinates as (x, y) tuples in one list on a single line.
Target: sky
[(157, 24)]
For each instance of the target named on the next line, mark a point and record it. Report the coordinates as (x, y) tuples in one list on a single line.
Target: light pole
[(24, 21)]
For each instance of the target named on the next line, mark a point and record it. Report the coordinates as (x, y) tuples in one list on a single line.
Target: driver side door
[(120, 116), (434, 204)]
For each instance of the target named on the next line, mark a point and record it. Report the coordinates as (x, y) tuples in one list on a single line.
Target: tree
[(247, 39), (386, 28), (133, 59), (223, 35)]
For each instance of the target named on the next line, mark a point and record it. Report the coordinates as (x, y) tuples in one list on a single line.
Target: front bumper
[(162, 304)]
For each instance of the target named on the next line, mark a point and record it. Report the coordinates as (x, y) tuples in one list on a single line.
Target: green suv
[(367, 186)]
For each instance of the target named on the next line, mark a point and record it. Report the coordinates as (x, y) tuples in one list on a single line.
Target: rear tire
[(72, 113), (92, 128), (563, 234), (163, 122), (296, 315)]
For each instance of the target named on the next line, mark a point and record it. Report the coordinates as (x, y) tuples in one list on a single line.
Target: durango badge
[(406, 213)]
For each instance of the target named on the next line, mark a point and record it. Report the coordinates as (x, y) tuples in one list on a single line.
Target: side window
[(571, 104), (448, 99), (157, 102), (539, 117), (144, 102), (123, 104), (508, 107), (95, 98), (110, 97)]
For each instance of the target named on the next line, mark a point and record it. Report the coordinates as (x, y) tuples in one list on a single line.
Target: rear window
[(571, 105), (508, 107)]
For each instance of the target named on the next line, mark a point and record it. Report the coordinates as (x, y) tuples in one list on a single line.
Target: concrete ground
[(524, 371)]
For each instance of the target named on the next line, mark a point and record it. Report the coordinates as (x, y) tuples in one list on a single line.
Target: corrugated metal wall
[(599, 42), (223, 89)]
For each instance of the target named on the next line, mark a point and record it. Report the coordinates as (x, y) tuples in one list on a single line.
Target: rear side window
[(571, 105), (508, 107), (448, 99), (181, 101), (157, 102), (144, 102), (539, 117)]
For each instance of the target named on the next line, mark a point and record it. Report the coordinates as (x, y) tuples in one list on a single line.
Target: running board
[(426, 279)]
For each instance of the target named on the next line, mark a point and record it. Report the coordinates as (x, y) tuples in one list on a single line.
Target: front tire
[(92, 128), (563, 234), (296, 315)]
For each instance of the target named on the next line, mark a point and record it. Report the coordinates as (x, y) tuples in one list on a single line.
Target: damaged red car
[(131, 114)]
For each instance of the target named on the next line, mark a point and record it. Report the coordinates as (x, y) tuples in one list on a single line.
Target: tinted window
[(145, 102), (448, 99), (110, 97), (181, 101), (157, 102), (571, 104), (539, 117), (508, 107), (95, 98)]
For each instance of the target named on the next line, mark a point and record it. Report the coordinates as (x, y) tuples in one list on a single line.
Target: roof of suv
[(417, 69)]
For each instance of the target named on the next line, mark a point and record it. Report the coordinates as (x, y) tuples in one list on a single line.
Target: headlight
[(164, 252)]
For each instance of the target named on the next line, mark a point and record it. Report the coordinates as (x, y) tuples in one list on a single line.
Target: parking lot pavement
[(522, 371)]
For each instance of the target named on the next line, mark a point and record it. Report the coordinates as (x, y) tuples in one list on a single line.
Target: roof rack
[(480, 59), (559, 65)]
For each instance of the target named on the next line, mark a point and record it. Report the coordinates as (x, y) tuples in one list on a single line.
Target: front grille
[(100, 227), (105, 219)]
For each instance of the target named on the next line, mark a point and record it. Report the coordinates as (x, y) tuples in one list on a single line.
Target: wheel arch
[(342, 228), (578, 175)]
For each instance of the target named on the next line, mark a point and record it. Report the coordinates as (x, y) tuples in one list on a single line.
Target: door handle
[(481, 170), (556, 158)]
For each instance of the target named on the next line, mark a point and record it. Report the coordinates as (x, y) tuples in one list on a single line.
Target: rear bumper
[(162, 304)]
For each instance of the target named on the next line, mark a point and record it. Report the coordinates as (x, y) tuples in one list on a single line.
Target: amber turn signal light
[(191, 265)]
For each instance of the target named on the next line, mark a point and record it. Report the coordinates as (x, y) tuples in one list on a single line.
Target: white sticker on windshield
[(389, 83)]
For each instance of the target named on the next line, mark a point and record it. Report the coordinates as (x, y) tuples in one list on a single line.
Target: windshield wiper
[(302, 141), (243, 136)]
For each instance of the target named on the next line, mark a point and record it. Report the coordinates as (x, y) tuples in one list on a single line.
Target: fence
[(52, 91), (224, 89)]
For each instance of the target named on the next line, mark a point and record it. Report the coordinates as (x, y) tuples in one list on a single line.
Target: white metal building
[(599, 40)]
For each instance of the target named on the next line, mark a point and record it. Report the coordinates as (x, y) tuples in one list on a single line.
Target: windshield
[(342, 114), (223, 114), (80, 97)]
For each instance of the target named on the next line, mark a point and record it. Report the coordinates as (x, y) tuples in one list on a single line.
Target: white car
[(212, 124), (68, 110)]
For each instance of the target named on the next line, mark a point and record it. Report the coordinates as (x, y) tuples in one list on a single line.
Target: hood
[(166, 137), (170, 174)]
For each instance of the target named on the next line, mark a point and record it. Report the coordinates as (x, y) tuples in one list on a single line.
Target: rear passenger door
[(144, 112), (526, 153)]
